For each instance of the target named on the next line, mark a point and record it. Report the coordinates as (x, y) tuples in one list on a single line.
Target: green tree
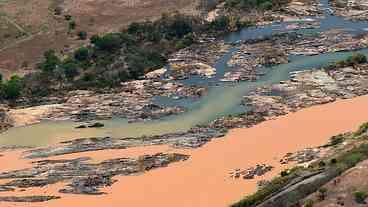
[(109, 42), (180, 26), (51, 61), (81, 54), (70, 70), (220, 23), (12, 88)]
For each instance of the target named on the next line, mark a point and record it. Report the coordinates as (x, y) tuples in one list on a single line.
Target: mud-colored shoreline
[(204, 179)]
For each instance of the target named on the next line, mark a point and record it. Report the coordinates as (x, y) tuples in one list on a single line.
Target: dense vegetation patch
[(274, 186), (362, 129), (11, 89), (353, 60), (255, 4), (112, 58)]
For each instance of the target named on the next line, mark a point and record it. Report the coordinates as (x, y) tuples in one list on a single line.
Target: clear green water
[(220, 101)]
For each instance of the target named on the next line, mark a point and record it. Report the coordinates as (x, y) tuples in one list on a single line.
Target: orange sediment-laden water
[(204, 179)]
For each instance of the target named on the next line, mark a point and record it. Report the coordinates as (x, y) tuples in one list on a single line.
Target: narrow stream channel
[(221, 100)]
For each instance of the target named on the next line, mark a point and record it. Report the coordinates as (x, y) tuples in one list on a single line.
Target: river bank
[(208, 167), (104, 160), (163, 93), (305, 89), (135, 100)]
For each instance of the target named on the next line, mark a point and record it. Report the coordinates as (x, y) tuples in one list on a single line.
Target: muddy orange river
[(203, 180)]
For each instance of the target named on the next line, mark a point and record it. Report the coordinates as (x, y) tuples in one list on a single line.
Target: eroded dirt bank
[(204, 179)]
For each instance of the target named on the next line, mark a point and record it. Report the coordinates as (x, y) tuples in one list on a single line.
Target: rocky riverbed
[(252, 56), (83, 177), (133, 101), (305, 89), (294, 10), (193, 138), (250, 173), (351, 9), (198, 59), (308, 88)]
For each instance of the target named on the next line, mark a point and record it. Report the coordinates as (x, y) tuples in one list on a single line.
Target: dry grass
[(28, 28)]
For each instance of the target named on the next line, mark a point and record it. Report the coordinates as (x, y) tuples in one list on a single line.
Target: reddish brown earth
[(44, 30), (204, 180), (343, 187)]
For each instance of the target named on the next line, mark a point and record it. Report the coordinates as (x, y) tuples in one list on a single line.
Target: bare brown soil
[(340, 191), (31, 27)]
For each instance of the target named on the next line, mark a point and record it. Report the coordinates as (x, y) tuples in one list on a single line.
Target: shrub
[(81, 54), (50, 63), (121, 56), (338, 139), (360, 197), (72, 25), (333, 161), (70, 69), (284, 173), (185, 42), (140, 60), (180, 45), (275, 185), (308, 203), (362, 129), (322, 193), (68, 17), (109, 42), (353, 158), (321, 163), (220, 23), (254, 4), (266, 5), (58, 10), (82, 35), (357, 58), (180, 27), (12, 88)]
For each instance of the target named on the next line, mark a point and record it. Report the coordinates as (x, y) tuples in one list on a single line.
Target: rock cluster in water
[(352, 9), (303, 156), (253, 55), (83, 177), (308, 88), (250, 173), (133, 101), (193, 138), (27, 199)]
